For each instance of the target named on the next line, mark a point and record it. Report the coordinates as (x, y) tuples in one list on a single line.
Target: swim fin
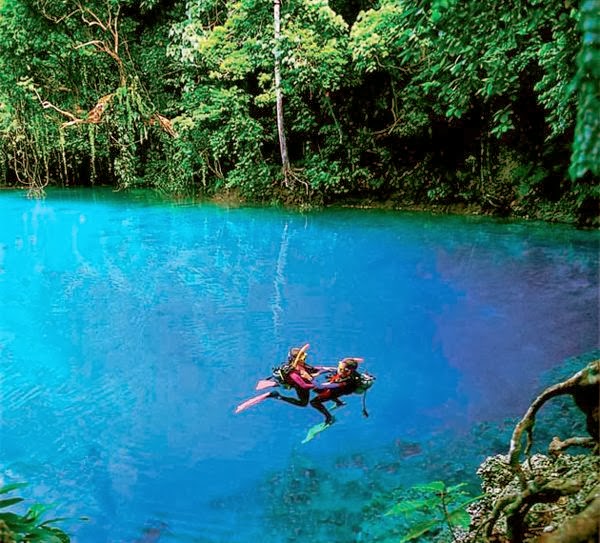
[(314, 430), (252, 401), (265, 383)]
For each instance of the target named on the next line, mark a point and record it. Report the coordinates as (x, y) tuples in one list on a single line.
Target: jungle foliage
[(29, 526), (443, 102)]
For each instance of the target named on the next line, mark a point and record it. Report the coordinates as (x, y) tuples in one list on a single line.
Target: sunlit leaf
[(11, 487), (409, 506), (419, 529)]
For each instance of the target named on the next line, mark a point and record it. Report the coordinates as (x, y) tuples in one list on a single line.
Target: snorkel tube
[(301, 351)]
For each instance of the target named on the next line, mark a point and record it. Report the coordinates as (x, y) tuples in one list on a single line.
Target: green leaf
[(452, 489), (409, 506), (459, 517), (13, 486), (434, 486), (37, 510), (57, 519), (15, 522), (10, 501), (419, 529)]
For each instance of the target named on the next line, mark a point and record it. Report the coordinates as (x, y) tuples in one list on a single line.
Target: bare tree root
[(531, 485), (583, 386), (516, 506), (557, 446), (294, 177), (582, 528), (550, 492)]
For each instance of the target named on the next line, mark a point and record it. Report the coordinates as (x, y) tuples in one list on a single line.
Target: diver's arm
[(327, 386), (323, 369), (299, 381)]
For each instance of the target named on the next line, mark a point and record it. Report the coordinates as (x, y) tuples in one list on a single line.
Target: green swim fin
[(314, 430)]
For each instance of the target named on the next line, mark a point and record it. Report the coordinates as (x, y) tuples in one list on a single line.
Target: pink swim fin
[(265, 383), (252, 401)]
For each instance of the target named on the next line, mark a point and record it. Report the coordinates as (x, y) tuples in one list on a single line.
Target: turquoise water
[(130, 329)]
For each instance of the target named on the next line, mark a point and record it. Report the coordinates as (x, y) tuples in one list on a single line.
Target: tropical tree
[(238, 58), (585, 159), (499, 72), (427, 101), (79, 107)]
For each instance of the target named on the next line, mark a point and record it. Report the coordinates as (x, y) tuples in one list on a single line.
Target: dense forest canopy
[(492, 104)]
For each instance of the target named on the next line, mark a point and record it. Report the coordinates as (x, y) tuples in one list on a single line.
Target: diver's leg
[(303, 395), (317, 403), (300, 401)]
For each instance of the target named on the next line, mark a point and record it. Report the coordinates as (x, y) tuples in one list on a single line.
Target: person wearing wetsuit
[(345, 381), (299, 376)]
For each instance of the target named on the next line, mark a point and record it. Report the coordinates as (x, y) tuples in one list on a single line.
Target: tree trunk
[(285, 161)]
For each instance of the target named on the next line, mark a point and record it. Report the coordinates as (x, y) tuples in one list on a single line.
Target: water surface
[(130, 329)]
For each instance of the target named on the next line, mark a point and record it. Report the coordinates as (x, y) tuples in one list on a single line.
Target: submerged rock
[(559, 488)]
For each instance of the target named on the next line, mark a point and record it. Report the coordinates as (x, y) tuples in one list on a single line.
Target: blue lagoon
[(132, 327)]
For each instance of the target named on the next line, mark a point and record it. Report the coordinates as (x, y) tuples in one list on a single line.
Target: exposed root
[(582, 528), (525, 501), (292, 177), (584, 384)]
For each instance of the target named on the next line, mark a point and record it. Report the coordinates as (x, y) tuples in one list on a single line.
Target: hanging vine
[(132, 110), (63, 156), (92, 141)]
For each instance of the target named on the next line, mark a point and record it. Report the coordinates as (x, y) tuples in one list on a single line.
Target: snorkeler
[(297, 374), (347, 380)]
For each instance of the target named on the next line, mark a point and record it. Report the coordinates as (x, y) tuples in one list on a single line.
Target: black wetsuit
[(332, 390)]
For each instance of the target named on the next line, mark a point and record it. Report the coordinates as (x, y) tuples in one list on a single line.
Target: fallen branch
[(48, 105), (164, 123), (94, 115)]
